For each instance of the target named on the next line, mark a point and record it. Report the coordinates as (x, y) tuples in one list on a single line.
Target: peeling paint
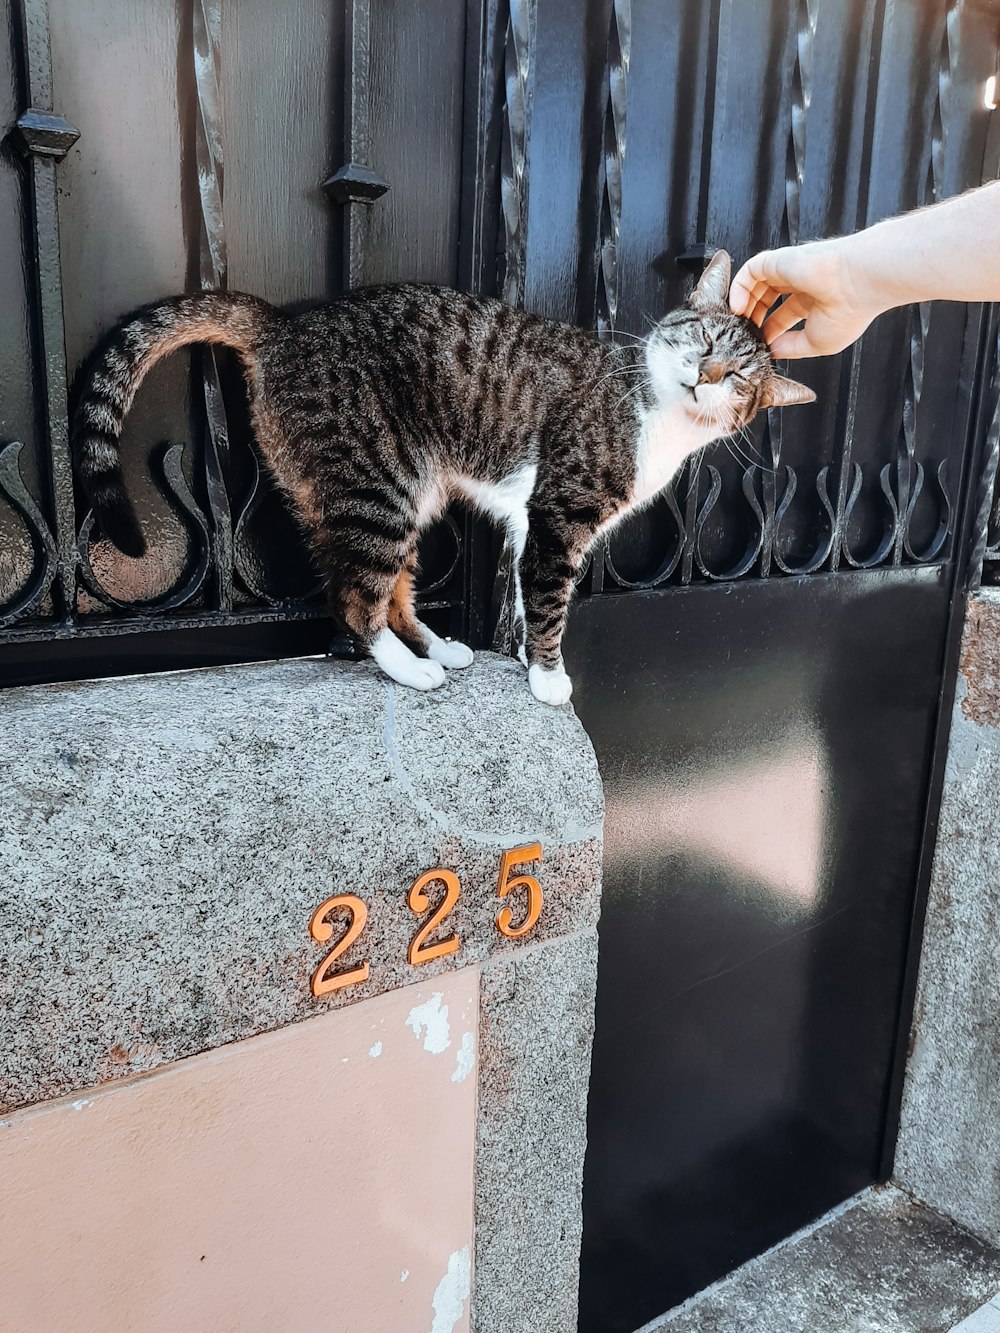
[(452, 1292), (404, 1275), (431, 1019), (376, 1050), (466, 1058), (79, 1105)]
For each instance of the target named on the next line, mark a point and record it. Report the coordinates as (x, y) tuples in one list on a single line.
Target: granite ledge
[(167, 839)]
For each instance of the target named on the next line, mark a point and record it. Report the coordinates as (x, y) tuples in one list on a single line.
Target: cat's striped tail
[(229, 318)]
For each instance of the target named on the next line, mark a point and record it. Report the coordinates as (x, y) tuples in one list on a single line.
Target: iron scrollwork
[(40, 579), (698, 516), (770, 487)]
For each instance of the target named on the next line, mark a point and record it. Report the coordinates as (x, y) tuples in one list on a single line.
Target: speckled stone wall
[(166, 840), (948, 1152)]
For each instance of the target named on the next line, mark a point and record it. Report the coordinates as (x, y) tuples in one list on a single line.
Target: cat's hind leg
[(403, 665), (403, 622), (361, 593)]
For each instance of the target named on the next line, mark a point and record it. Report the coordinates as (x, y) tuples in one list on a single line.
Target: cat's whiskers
[(753, 449), (724, 421), (635, 337), (735, 432), (643, 384), (620, 370)]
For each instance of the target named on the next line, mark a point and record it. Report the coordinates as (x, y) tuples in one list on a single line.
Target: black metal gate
[(764, 659)]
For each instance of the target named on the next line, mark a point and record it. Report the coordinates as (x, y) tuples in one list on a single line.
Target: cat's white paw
[(427, 675), (454, 656), (396, 660), (550, 687)]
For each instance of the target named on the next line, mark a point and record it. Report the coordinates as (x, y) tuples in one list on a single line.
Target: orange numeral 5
[(418, 901), (321, 930), (519, 856)]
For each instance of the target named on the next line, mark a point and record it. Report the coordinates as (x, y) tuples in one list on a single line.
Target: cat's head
[(712, 365)]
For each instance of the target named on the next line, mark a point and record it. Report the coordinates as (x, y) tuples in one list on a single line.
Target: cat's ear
[(713, 286), (781, 392)]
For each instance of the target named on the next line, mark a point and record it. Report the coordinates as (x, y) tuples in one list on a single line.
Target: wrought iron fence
[(592, 156)]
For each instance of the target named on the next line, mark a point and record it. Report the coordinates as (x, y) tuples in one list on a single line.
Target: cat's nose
[(711, 372)]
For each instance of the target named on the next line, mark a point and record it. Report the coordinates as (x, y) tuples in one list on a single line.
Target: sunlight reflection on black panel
[(760, 815)]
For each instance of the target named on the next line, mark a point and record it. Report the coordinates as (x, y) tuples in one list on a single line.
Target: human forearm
[(948, 252)]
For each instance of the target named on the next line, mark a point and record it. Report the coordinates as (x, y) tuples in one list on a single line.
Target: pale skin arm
[(948, 252)]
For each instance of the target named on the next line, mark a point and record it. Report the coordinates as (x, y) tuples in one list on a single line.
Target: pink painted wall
[(318, 1178)]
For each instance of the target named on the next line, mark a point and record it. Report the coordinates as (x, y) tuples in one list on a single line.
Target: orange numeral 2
[(519, 856), (418, 901), (321, 930)]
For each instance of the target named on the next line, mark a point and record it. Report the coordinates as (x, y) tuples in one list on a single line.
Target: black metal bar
[(619, 50), (479, 231), (519, 44), (212, 265), (356, 185), (851, 373), (46, 138), (480, 203), (698, 250)]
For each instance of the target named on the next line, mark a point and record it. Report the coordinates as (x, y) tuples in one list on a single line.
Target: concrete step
[(880, 1263)]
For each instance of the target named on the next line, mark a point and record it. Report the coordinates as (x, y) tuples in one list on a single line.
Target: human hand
[(821, 287)]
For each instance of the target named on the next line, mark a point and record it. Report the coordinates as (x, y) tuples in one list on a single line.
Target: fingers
[(788, 314), (762, 298), (745, 291), (793, 346), (753, 302), (758, 284)]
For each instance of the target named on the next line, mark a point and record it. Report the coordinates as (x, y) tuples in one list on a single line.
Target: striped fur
[(126, 358), (376, 411)]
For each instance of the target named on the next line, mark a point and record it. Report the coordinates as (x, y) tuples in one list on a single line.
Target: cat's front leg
[(548, 570)]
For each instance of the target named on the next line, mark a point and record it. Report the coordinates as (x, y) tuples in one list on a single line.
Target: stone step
[(880, 1263)]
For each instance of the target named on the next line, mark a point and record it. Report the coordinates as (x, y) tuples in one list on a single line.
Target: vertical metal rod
[(609, 198), (51, 325), (708, 121), (356, 185), (519, 61), (212, 270), (795, 171), (695, 254), (356, 128), (854, 356)]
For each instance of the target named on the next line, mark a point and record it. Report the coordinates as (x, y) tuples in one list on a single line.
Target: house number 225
[(326, 978)]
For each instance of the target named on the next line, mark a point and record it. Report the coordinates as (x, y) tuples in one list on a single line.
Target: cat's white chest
[(666, 438)]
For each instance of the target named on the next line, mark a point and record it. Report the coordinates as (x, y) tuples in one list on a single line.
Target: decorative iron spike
[(44, 134), (355, 184)]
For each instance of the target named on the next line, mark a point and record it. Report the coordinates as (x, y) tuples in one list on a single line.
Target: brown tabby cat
[(372, 413)]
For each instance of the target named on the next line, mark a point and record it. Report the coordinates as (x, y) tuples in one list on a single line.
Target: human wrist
[(871, 281)]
